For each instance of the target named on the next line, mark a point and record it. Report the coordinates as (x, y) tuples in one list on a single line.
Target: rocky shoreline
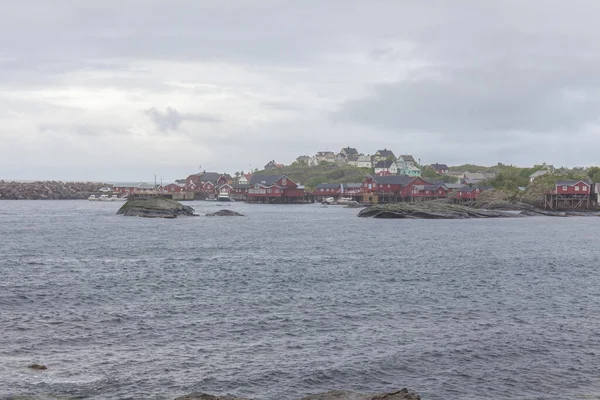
[(443, 209), (403, 394), (48, 190)]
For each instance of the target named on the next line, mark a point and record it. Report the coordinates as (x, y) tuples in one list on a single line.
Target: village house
[(439, 168), (274, 189), (468, 193), (244, 179), (195, 182), (364, 162), (303, 160), (174, 188), (272, 165), (137, 187), (573, 187), (239, 191), (397, 185), (438, 190), (348, 151), (537, 174), (409, 170), (386, 167), (353, 159), (383, 155), (405, 160), (325, 156), (328, 189)]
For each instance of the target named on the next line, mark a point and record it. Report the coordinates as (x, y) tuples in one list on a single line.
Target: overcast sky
[(123, 90)]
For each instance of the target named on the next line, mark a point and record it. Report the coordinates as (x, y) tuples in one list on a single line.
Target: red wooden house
[(471, 192), (397, 185), (174, 188), (438, 190), (274, 189), (568, 187)]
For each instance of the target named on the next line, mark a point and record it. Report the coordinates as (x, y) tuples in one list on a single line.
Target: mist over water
[(293, 300)]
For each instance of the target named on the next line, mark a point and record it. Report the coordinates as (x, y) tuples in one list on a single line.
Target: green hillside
[(311, 176)]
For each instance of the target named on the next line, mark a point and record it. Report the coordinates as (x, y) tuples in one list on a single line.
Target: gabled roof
[(349, 151), (327, 186), (539, 173), (410, 168), (384, 164), (352, 185), (571, 182), (265, 180), (432, 187), (146, 186), (353, 157), (407, 157), (394, 179), (385, 153), (439, 167), (225, 184), (325, 153), (364, 159), (240, 186), (209, 176)]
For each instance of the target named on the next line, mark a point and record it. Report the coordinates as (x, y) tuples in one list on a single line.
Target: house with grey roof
[(383, 155)]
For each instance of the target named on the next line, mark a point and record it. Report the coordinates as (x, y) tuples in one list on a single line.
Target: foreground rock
[(403, 394), (155, 207), (430, 210), (224, 213)]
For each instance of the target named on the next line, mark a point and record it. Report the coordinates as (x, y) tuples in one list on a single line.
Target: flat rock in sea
[(430, 210), (204, 396), (402, 394), (224, 213), (155, 207)]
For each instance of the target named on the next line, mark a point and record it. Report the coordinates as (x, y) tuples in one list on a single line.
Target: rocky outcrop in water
[(224, 213), (403, 394), (47, 190), (155, 207), (429, 210)]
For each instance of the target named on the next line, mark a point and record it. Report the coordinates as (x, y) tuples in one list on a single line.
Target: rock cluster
[(47, 190), (403, 394), (429, 210), (224, 213), (155, 207)]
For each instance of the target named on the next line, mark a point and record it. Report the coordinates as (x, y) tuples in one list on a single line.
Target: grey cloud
[(170, 120)]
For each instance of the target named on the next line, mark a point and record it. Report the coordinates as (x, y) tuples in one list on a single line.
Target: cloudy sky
[(123, 90)]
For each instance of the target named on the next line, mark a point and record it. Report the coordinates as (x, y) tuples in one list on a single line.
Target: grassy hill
[(311, 176)]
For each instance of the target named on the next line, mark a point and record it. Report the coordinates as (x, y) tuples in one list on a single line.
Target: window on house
[(577, 188), (388, 185), (268, 190), (564, 188), (584, 188), (284, 181)]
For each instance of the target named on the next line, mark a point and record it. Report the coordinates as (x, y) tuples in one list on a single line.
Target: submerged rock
[(403, 394), (430, 210), (204, 396), (37, 366), (224, 213), (155, 207)]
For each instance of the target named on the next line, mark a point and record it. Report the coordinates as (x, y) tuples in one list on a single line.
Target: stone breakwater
[(47, 190), (403, 394)]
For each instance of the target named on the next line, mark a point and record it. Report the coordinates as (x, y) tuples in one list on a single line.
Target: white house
[(409, 170), (364, 162), (537, 174), (386, 167), (405, 160)]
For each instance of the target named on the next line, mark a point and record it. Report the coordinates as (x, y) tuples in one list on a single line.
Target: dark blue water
[(293, 300)]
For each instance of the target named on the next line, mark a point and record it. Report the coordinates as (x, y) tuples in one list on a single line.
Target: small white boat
[(224, 197), (345, 200), (93, 198), (104, 197), (328, 200)]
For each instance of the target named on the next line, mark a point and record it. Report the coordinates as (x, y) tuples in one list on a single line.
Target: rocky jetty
[(155, 207), (224, 213), (48, 190), (403, 394), (430, 210)]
